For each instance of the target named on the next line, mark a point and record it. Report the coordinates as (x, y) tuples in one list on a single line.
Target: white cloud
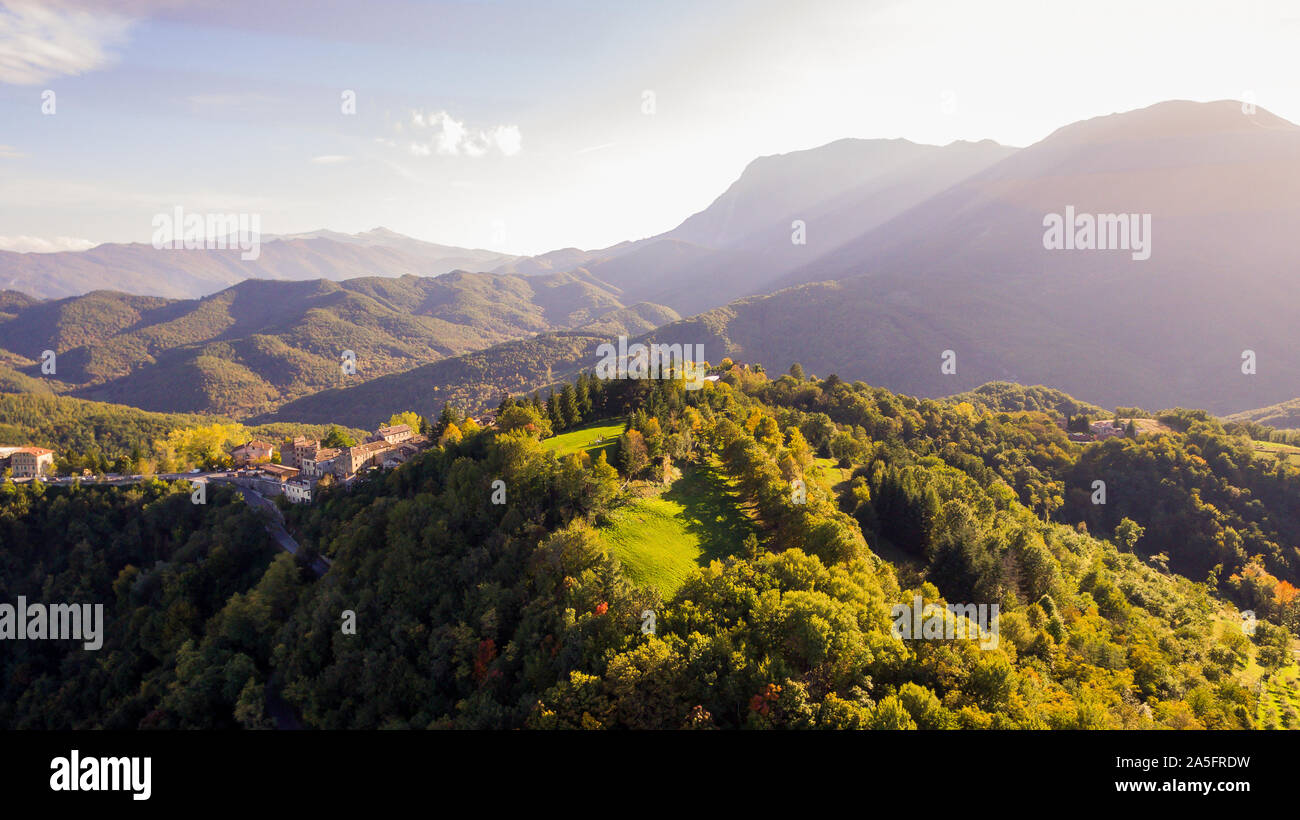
[(38, 244), (43, 42), (448, 136), (330, 159), (10, 152), (508, 139)]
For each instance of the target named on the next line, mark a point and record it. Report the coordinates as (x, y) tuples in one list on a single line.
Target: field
[(594, 438), (1280, 451), (662, 537), (827, 474)]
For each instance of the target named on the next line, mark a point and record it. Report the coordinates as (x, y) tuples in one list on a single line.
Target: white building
[(298, 492)]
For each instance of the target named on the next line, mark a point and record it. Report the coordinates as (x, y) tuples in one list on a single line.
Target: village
[(294, 469), (304, 464), (1108, 428)]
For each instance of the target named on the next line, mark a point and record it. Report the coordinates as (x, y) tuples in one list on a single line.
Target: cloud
[(10, 152), (46, 41), (37, 244), (440, 133), (508, 139), (330, 159)]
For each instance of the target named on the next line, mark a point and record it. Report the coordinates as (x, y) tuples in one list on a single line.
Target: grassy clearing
[(1279, 451), (828, 475), (594, 438), (661, 538)]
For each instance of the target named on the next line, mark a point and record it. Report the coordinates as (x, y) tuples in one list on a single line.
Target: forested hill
[(725, 557), (251, 348)]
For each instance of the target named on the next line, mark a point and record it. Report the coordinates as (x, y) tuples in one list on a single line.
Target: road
[(275, 519), (275, 525)]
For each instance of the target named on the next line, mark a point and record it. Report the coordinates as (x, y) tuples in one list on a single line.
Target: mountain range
[(144, 270), (876, 260)]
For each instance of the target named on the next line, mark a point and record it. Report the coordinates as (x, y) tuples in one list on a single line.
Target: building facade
[(291, 454), (254, 452), (29, 462)]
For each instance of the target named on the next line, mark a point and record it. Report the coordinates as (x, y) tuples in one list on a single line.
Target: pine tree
[(583, 391), (569, 406), (553, 411)]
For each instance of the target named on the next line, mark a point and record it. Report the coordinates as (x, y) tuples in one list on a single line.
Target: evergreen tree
[(554, 413), (569, 406)]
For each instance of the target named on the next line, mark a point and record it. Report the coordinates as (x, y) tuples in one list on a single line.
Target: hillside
[(260, 344), (1006, 397), (605, 598), (68, 425), (472, 382), (1282, 416)]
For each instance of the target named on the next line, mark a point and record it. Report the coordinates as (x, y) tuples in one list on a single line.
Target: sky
[(529, 126)]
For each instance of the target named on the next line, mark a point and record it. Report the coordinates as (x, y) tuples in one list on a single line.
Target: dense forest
[(480, 586)]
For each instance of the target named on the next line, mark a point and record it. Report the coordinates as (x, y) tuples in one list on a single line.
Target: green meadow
[(661, 538), (593, 438)]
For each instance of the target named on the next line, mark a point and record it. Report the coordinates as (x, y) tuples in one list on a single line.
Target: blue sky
[(523, 126)]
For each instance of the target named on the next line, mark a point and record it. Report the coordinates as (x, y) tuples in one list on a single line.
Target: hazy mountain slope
[(476, 259), (550, 262), (838, 190), (142, 269), (741, 243), (1283, 416), (1223, 190)]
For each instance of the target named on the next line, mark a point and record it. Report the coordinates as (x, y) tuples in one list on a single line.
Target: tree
[(583, 391), (525, 418), (451, 416), (569, 409), (768, 434), (553, 412), (451, 435), (409, 417), (1127, 534), (632, 454), (338, 439), (796, 372)]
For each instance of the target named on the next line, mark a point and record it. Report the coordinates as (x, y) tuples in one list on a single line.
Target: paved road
[(275, 525)]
